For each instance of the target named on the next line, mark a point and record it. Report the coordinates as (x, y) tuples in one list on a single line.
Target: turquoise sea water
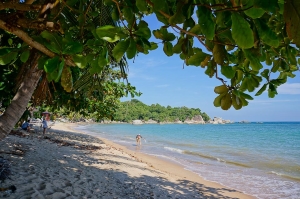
[(261, 159)]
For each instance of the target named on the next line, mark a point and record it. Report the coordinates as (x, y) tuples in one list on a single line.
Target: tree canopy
[(136, 110), (248, 45)]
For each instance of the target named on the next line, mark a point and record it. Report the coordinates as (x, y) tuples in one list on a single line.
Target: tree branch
[(181, 29), (27, 39), (39, 24), (18, 6), (219, 78)]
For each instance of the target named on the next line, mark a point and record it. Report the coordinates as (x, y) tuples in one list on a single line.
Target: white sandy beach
[(70, 164)]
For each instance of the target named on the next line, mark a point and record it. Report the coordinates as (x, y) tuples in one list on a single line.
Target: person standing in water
[(139, 139)]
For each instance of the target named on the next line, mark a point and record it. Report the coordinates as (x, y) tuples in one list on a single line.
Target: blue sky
[(166, 81)]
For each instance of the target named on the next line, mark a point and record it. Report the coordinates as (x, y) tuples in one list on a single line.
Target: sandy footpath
[(70, 164)]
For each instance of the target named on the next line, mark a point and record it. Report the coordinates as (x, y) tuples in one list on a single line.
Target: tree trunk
[(20, 101)]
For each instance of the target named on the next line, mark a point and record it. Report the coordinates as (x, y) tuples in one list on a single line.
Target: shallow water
[(259, 159)]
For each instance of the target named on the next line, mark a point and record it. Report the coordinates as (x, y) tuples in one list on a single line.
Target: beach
[(68, 163)]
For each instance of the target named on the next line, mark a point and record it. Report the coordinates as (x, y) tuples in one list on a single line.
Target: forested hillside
[(136, 110)]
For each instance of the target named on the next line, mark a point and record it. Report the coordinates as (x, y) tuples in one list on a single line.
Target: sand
[(71, 164)]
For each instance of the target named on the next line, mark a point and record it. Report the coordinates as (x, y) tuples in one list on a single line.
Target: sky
[(167, 81)]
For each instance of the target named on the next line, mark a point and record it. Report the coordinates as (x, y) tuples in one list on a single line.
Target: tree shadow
[(83, 174)]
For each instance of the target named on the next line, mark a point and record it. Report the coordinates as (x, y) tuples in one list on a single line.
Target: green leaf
[(278, 82), (255, 13), (72, 47), (10, 41), (108, 33), (276, 65), (79, 60), (196, 29), (254, 60), (103, 58), (219, 54), (210, 70), (206, 22), (52, 64), (54, 42), (177, 47), (246, 96), (168, 48), (267, 5), (160, 5), (115, 14), (143, 30), (66, 80), (226, 37), (94, 67), (7, 55), (292, 19), (153, 46), (266, 34), (223, 18), (261, 90), (71, 2), (2, 86), (163, 34), (241, 31), (272, 91), (227, 71), (265, 73), (197, 58), (161, 18), (94, 44), (101, 63), (131, 51), (141, 5), (59, 70), (178, 17), (128, 15), (24, 56), (120, 49), (41, 62), (291, 55), (188, 23)]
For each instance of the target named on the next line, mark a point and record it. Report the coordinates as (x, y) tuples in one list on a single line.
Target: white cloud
[(290, 89)]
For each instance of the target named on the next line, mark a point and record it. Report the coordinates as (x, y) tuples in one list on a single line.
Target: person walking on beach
[(45, 126), (139, 139)]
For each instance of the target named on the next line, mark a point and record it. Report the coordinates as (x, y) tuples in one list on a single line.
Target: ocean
[(260, 159)]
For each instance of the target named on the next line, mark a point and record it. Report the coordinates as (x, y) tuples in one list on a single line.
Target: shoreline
[(70, 163), (173, 169)]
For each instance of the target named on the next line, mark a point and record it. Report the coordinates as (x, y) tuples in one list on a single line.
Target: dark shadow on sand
[(115, 184)]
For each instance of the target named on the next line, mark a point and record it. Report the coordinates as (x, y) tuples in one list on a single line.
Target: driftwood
[(77, 146), (17, 149), (13, 152), (18, 133)]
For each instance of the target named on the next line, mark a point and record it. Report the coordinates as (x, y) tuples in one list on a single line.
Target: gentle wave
[(200, 155), (285, 176), (224, 153), (215, 158), (173, 149)]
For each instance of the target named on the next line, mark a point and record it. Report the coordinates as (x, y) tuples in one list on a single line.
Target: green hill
[(136, 110)]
